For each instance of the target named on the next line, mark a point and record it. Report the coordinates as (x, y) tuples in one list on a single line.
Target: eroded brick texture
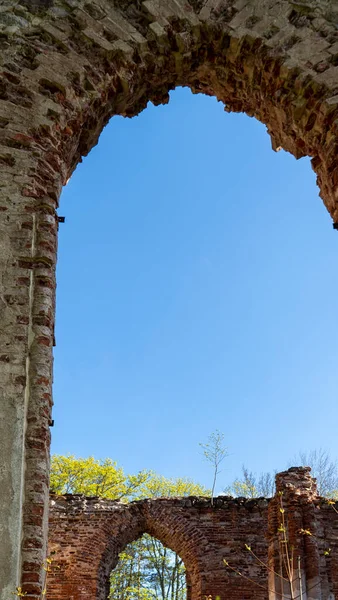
[(312, 529), (87, 535), (67, 67)]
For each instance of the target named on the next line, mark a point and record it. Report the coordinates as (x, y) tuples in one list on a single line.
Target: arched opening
[(87, 536), (148, 570), (69, 67), (261, 263)]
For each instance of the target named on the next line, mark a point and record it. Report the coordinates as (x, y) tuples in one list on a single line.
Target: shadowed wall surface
[(67, 67)]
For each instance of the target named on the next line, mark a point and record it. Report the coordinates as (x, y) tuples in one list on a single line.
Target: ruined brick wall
[(67, 66), (87, 535), (312, 529)]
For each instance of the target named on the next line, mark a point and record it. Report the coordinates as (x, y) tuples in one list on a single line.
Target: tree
[(215, 452), (323, 468), (92, 477), (158, 486), (252, 485), (148, 570)]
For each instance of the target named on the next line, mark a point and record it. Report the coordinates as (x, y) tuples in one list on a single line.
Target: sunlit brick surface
[(87, 535)]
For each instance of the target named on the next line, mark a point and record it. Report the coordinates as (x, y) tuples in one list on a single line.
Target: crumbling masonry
[(87, 534), (67, 67)]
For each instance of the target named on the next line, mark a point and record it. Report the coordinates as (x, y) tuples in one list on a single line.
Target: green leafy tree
[(92, 477), (158, 486), (148, 570)]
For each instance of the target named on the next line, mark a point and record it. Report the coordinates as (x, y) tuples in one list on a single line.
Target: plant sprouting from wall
[(215, 452)]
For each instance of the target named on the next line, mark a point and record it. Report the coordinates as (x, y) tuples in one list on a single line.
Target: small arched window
[(148, 570)]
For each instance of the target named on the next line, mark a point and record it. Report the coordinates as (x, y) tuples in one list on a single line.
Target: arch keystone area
[(67, 67)]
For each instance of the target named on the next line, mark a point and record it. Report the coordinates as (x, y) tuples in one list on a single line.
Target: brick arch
[(266, 59), (67, 67), (110, 561), (164, 520), (88, 534)]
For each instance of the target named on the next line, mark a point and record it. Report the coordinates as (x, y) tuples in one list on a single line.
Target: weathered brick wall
[(296, 494), (67, 67), (87, 535)]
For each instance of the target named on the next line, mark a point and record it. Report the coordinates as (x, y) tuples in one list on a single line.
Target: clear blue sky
[(197, 289)]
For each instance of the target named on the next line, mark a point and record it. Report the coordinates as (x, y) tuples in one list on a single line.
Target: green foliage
[(158, 486), (148, 571), (251, 485), (92, 477)]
